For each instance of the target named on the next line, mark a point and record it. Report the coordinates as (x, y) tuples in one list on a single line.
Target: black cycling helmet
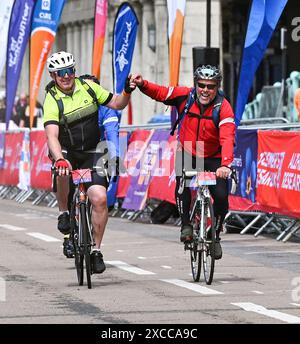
[(207, 73)]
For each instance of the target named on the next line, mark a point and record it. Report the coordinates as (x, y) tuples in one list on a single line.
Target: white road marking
[(31, 216), (141, 257), (295, 304), (225, 282), (264, 252), (124, 266), (257, 292), (252, 307), (13, 228), (43, 237), (166, 266), (119, 250), (192, 286)]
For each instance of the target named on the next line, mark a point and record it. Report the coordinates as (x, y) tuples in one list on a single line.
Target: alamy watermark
[(2, 290), (295, 34)]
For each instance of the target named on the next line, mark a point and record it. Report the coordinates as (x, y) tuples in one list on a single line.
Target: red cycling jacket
[(217, 143)]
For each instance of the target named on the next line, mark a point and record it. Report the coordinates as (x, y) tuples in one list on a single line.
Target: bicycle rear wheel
[(86, 243), (209, 243), (195, 249), (79, 257)]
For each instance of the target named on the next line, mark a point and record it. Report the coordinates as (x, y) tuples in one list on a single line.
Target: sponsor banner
[(137, 144), (262, 21), (24, 167), (148, 165), (99, 35), (18, 34), (9, 175), (278, 171), (2, 145), (45, 20), (113, 185), (163, 183), (5, 12), (245, 163), (39, 161)]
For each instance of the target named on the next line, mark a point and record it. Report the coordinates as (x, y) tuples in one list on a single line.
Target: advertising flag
[(263, 19), (176, 10), (5, 12), (45, 20), (99, 35), (18, 34), (124, 36)]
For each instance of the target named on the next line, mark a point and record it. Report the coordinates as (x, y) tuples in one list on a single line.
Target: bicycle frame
[(203, 195)]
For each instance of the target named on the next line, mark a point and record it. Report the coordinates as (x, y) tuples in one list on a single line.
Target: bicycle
[(202, 247), (81, 224)]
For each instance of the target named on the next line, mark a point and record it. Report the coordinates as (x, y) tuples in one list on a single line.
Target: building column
[(90, 43), (77, 47)]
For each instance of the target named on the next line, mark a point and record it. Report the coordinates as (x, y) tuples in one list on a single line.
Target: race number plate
[(204, 178), (81, 176)]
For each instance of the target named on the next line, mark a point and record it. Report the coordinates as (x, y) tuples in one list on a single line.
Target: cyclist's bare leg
[(98, 199), (62, 192)]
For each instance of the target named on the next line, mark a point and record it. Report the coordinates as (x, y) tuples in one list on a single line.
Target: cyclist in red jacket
[(200, 137)]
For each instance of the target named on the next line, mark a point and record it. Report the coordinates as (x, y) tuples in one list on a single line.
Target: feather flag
[(99, 35), (45, 21), (5, 12), (262, 21), (18, 35), (176, 11)]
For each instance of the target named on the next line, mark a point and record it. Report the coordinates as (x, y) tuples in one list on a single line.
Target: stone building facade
[(75, 35)]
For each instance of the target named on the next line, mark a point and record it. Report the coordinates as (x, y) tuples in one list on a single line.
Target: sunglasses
[(209, 86), (61, 73)]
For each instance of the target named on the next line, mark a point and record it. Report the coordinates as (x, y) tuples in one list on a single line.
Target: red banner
[(162, 185), (137, 144), (278, 171), (40, 174), (9, 175)]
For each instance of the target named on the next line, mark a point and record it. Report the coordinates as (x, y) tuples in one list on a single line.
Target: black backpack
[(190, 101), (163, 212)]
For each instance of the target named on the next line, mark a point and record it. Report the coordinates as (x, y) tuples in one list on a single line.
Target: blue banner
[(18, 34), (124, 36), (263, 19), (245, 163)]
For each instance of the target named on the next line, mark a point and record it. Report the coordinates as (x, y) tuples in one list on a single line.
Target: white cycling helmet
[(207, 73), (59, 61)]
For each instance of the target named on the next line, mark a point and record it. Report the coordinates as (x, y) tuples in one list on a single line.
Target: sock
[(63, 211)]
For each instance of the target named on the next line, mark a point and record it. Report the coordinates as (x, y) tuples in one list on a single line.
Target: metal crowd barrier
[(284, 227)]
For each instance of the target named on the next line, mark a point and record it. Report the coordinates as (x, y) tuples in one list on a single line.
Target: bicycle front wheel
[(209, 242), (86, 243), (195, 249), (196, 255), (79, 257)]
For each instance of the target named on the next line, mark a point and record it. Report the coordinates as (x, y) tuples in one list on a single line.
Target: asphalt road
[(148, 278)]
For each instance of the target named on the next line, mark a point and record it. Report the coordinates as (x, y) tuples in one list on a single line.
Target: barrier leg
[(294, 230), (256, 234), (285, 232), (251, 224)]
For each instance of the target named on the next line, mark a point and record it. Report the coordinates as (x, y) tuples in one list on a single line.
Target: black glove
[(127, 88)]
